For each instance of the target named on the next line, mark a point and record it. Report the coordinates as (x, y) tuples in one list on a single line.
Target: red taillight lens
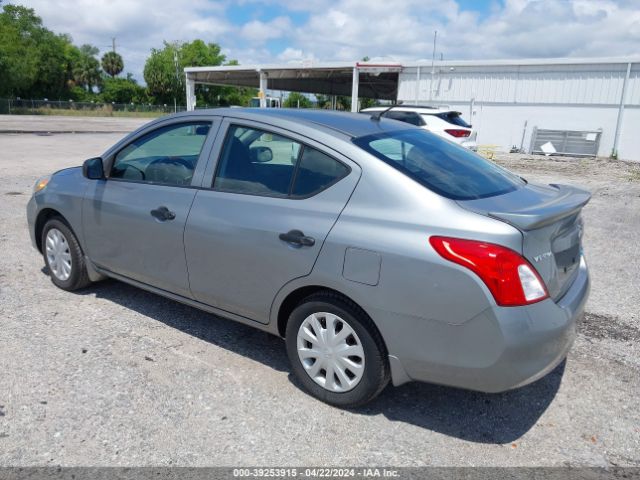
[(455, 132), (511, 279)]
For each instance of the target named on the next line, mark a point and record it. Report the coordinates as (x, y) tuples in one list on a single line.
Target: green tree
[(112, 64), (297, 100), (226, 96), (323, 101), (161, 74), (235, 96), (51, 80), (18, 63), (123, 90), (367, 102), (343, 103), (86, 68), (164, 70), (32, 58)]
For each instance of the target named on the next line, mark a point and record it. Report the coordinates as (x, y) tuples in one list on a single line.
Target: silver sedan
[(376, 249)]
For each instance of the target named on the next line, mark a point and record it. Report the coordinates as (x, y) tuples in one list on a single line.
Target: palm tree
[(112, 63), (86, 68)]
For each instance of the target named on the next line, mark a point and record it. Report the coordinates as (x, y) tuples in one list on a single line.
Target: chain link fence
[(69, 107)]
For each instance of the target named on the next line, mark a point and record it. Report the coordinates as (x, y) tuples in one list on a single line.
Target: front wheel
[(63, 256), (336, 351)]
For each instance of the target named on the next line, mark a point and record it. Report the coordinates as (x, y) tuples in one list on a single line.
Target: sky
[(280, 31)]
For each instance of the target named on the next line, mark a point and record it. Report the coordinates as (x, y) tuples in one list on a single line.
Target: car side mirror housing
[(93, 169)]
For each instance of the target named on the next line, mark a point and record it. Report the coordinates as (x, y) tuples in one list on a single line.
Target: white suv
[(442, 121)]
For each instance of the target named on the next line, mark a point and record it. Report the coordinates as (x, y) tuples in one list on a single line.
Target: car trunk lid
[(548, 216)]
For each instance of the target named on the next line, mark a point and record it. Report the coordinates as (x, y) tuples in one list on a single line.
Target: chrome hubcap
[(330, 352), (58, 254)]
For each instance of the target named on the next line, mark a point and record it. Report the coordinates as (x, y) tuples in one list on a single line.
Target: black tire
[(376, 366), (78, 277)]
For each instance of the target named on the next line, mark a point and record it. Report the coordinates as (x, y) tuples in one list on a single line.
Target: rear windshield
[(453, 118), (441, 166), (408, 117)]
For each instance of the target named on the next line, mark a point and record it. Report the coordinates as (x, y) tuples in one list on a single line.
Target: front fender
[(63, 195)]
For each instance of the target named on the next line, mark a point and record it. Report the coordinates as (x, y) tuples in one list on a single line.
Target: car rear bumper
[(471, 145), (500, 349)]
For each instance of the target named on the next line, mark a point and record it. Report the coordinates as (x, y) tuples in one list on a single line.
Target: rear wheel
[(335, 351), (63, 256)]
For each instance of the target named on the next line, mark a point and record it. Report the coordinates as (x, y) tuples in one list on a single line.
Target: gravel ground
[(53, 124), (113, 375)]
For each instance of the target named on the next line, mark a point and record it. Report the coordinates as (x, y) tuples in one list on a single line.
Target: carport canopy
[(363, 79)]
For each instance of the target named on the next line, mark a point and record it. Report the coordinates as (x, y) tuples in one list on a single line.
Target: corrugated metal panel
[(566, 142), (633, 87), (593, 84)]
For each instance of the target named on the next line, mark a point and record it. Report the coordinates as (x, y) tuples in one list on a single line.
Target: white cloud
[(137, 25), (257, 31), (398, 30), (296, 55), (403, 29), (291, 54)]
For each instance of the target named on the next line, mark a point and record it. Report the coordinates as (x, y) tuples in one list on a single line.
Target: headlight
[(41, 183)]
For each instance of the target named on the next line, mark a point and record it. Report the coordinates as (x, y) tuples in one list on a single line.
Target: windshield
[(441, 166)]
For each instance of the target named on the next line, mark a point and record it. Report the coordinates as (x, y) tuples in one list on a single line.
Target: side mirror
[(261, 154), (93, 169)]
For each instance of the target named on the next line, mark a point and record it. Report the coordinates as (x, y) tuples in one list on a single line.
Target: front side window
[(441, 166), (258, 162), (165, 156)]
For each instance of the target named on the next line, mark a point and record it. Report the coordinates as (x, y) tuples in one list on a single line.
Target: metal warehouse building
[(580, 105)]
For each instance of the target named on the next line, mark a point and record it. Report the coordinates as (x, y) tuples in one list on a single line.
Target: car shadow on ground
[(472, 416)]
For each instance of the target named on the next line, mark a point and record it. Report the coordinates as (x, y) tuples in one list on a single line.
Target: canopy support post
[(191, 93), (262, 94), (354, 89)]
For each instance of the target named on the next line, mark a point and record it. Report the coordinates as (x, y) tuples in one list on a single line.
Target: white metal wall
[(499, 98)]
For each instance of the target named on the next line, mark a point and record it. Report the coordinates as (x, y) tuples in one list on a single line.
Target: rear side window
[(453, 118), (441, 166), (258, 162), (316, 172)]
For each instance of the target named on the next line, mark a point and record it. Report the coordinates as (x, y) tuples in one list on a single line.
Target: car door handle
[(163, 214), (296, 237)]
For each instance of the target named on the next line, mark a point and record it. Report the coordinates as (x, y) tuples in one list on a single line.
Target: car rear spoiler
[(567, 202)]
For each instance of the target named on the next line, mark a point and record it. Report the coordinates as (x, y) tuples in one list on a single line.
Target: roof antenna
[(376, 115)]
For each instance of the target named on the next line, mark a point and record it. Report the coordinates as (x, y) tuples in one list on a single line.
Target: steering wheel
[(128, 165), (175, 161)]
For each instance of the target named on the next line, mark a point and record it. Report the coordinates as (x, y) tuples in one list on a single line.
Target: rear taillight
[(511, 279), (458, 133)]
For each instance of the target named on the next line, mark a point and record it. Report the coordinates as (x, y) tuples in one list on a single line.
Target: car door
[(134, 220), (263, 221)]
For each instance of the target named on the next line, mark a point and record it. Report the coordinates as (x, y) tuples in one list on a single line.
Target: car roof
[(331, 121), (412, 108)]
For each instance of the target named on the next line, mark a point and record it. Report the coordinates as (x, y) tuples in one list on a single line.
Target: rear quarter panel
[(394, 217)]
